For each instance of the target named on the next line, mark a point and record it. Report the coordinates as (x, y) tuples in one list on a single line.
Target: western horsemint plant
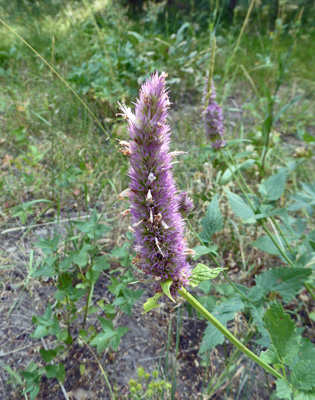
[(213, 119), (150, 186)]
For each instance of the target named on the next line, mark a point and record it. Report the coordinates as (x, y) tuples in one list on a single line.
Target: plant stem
[(88, 301), (191, 300)]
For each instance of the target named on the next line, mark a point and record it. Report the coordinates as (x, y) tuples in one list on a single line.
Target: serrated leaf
[(48, 355), (202, 273), (151, 302), (304, 395), (166, 285), (240, 208), (224, 312), (213, 220), (286, 281), (273, 188), (282, 332), (303, 375), (283, 389)]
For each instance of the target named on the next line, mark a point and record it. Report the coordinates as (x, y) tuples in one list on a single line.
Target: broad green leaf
[(119, 333), (166, 285), (283, 390), (101, 340), (303, 375), (48, 355), (107, 325), (273, 188), (101, 264), (202, 250), (151, 302), (264, 243), (282, 332), (304, 395), (287, 281), (224, 312), (202, 273), (240, 208), (213, 220)]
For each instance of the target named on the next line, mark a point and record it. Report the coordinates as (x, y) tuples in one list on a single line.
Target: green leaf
[(101, 264), (48, 355), (202, 273), (283, 390), (227, 176), (303, 375), (213, 220), (60, 295), (40, 332), (303, 395), (240, 208), (101, 340), (224, 312), (151, 302), (119, 333), (202, 250), (282, 332), (166, 285), (107, 325), (264, 243), (273, 188), (287, 281), (286, 107)]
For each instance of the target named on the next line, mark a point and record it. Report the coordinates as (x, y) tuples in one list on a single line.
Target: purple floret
[(157, 224), (213, 120)]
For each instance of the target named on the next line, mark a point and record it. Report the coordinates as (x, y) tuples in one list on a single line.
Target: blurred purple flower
[(157, 224), (213, 119), (185, 203)]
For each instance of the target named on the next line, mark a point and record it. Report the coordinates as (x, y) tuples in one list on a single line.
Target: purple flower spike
[(213, 120), (185, 203), (157, 224)]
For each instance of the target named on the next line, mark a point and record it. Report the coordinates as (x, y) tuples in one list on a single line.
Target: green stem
[(308, 287), (87, 306), (191, 300)]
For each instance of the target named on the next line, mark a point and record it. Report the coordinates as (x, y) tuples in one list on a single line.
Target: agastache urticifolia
[(157, 224), (213, 118)]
